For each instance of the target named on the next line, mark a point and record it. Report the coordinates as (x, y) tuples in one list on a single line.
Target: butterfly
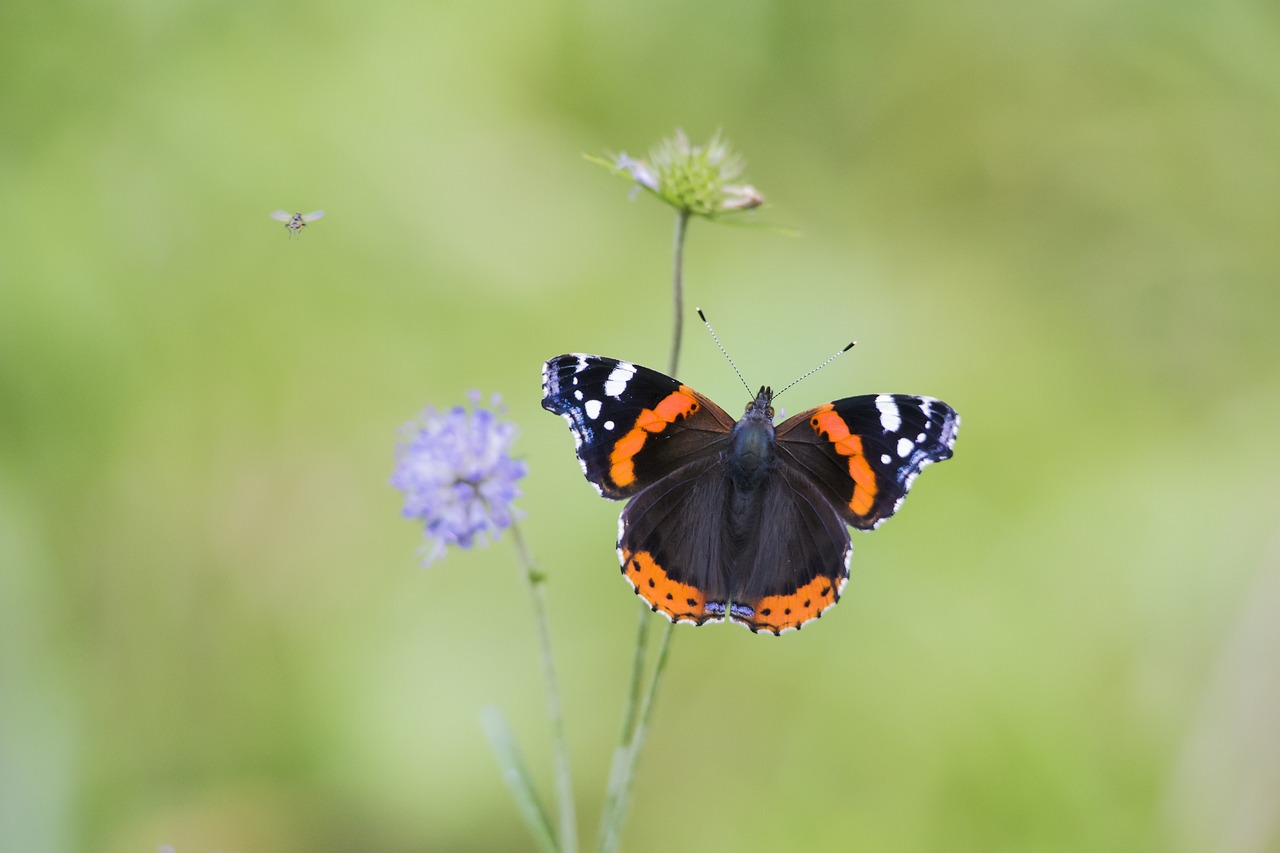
[(740, 520), (295, 222)]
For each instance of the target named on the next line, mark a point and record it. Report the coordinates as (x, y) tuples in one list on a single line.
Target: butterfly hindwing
[(865, 452), (631, 425), (672, 543), (796, 564), (697, 551)]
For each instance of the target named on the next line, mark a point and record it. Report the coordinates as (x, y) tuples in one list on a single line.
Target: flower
[(695, 179), (457, 475)]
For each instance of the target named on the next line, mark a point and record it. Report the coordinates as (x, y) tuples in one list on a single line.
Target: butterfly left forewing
[(631, 425), (865, 452)]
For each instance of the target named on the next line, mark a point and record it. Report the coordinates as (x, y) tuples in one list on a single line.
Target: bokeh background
[(1061, 217)]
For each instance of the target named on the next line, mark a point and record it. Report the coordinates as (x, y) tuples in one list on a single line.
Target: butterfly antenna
[(723, 351), (816, 369)]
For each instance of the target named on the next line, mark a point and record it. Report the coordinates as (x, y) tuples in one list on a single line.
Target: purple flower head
[(457, 475)]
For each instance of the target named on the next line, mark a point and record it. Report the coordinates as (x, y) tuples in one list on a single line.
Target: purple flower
[(457, 475)]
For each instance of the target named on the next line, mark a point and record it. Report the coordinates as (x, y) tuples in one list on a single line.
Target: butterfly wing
[(697, 551), (863, 453), (631, 425), (672, 545), (793, 561)]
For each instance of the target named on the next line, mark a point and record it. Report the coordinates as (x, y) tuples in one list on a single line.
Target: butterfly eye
[(768, 410)]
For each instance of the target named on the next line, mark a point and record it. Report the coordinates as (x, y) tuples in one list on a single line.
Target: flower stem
[(677, 286), (625, 761), (568, 829), (637, 671)]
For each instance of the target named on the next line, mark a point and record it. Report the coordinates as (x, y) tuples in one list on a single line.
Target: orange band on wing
[(778, 613), (679, 602), (676, 405), (831, 426)]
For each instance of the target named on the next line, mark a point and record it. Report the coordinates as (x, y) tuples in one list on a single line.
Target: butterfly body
[(752, 453), (740, 520)]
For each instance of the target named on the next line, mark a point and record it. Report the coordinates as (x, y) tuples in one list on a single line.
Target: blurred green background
[(1060, 217)]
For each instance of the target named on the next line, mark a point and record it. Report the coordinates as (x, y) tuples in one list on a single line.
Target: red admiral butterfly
[(740, 520)]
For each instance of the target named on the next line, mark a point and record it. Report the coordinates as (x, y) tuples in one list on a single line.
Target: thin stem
[(619, 764), (617, 812), (677, 287), (568, 829), (637, 671)]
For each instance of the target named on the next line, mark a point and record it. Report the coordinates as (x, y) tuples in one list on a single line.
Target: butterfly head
[(761, 408)]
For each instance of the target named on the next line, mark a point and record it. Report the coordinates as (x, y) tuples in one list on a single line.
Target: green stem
[(616, 808), (637, 671), (619, 765), (568, 829), (677, 287)]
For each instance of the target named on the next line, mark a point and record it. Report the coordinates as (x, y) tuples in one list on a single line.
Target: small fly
[(295, 222)]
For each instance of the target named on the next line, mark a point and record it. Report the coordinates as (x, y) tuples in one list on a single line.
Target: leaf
[(516, 775)]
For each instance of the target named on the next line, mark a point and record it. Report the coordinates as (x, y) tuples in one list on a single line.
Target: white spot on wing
[(905, 446), (890, 417), (886, 458), (618, 377), (608, 425), (593, 409), (577, 395)]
